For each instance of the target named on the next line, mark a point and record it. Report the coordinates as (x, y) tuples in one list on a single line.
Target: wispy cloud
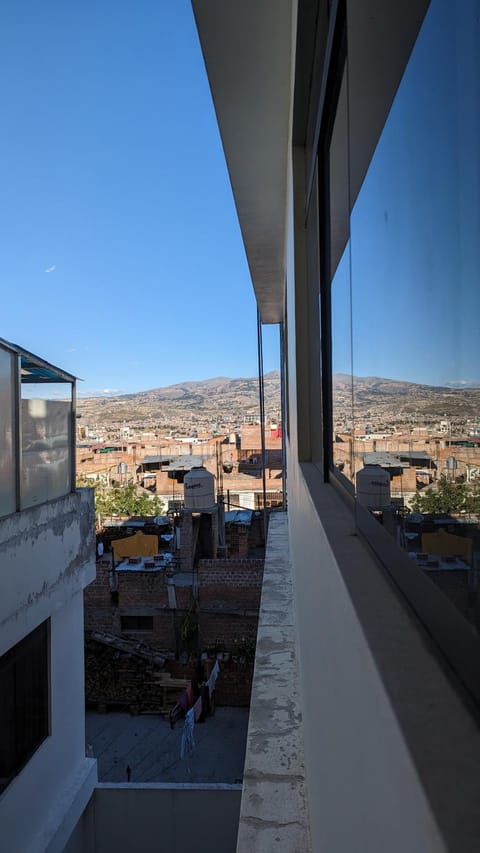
[(51, 269), (99, 392), (462, 383)]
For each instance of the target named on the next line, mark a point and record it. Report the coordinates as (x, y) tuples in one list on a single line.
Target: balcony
[(274, 810)]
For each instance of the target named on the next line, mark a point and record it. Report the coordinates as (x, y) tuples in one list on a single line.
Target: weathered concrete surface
[(274, 813), (47, 554)]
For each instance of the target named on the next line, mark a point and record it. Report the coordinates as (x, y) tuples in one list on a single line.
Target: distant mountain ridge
[(397, 397), (221, 400), (205, 400)]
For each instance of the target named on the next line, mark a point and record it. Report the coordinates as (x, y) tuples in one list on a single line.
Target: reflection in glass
[(343, 432), (415, 242), (7, 458), (46, 442), (340, 294)]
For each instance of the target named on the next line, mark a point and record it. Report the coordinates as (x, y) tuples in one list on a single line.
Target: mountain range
[(374, 395), (222, 400), (216, 400)]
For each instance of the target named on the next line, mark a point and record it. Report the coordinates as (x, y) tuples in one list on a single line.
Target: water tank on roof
[(199, 490), (373, 487)]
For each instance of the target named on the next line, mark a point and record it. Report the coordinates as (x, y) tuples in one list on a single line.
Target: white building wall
[(47, 558), (159, 817)]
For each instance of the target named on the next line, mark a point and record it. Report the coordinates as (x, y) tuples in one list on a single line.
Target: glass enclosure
[(405, 307), (36, 431)]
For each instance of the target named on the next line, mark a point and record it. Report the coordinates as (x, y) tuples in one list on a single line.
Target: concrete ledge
[(68, 808), (274, 812)]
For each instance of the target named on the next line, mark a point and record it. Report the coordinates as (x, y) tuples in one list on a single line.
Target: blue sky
[(121, 256), (414, 260)]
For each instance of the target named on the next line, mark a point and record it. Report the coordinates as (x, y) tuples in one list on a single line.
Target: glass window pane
[(46, 442), (416, 303), (313, 323), (7, 451), (341, 330)]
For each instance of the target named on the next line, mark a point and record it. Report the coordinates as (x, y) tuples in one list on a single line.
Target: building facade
[(47, 557), (350, 130)]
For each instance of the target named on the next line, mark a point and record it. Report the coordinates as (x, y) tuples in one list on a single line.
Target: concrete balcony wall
[(164, 818), (274, 811), (47, 554)]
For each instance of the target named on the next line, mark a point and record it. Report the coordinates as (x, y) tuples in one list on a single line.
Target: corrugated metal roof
[(175, 463), (239, 516), (413, 454), (35, 369), (384, 459)]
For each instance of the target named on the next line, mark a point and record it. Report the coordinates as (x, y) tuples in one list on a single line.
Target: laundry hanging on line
[(188, 741)]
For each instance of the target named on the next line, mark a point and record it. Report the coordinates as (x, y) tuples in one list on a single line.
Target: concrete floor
[(152, 749)]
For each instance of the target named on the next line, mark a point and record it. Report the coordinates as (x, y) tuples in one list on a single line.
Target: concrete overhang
[(248, 49)]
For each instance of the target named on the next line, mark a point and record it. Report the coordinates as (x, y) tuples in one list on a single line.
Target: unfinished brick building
[(145, 617)]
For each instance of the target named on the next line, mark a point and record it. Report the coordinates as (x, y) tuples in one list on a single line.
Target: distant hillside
[(219, 401), (374, 394), (211, 400)]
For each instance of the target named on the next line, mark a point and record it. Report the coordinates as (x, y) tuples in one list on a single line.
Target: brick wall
[(97, 593), (142, 588), (227, 631), (227, 618), (226, 583), (237, 540)]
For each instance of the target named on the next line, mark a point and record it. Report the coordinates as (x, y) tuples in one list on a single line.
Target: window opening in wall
[(24, 702), (136, 623)]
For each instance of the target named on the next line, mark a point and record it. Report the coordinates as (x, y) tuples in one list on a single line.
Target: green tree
[(449, 497), (126, 500)]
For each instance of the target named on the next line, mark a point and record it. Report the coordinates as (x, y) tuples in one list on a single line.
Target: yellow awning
[(138, 545)]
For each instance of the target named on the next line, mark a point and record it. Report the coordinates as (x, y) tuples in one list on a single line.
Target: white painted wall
[(159, 817), (46, 558)]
